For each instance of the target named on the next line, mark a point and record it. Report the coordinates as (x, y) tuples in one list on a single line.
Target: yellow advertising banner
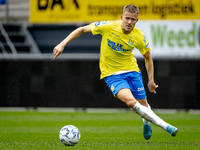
[(84, 11)]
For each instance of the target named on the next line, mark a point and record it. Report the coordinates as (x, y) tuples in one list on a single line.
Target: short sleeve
[(98, 27), (144, 45)]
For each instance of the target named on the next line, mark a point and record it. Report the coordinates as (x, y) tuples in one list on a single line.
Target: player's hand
[(152, 86), (58, 50)]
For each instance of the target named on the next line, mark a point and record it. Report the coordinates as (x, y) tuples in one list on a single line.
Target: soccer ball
[(69, 135)]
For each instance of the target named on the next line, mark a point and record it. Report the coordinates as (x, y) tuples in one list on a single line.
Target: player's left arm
[(150, 71)]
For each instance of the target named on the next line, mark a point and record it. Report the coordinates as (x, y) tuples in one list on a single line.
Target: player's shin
[(149, 115), (144, 120)]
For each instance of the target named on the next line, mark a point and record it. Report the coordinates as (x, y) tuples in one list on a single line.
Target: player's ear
[(137, 19), (121, 16)]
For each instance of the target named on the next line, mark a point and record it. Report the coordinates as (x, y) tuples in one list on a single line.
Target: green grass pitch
[(99, 131)]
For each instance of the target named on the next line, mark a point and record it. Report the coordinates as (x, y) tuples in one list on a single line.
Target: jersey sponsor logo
[(116, 46), (97, 23), (140, 89), (100, 22), (130, 42)]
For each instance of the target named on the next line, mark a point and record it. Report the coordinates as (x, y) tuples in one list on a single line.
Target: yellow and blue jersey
[(117, 48)]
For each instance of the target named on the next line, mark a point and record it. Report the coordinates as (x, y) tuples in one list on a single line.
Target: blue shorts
[(130, 80)]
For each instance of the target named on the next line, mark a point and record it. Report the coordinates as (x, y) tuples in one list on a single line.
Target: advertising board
[(172, 38), (84, 11)]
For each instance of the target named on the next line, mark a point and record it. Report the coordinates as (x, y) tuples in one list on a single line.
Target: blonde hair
[(131, 8)]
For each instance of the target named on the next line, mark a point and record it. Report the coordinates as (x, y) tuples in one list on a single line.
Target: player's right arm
[(76, 33)]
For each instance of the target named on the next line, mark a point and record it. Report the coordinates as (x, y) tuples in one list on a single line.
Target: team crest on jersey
[(130, 42)]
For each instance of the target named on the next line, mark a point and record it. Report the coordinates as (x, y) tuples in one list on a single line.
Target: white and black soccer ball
[(69, 135)]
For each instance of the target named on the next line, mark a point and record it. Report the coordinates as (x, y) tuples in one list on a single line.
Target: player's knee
[(126, 97), (129, 102)]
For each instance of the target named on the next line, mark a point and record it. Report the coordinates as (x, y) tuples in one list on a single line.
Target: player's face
[(128, 22)]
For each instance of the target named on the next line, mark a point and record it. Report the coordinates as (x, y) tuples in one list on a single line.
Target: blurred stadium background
[(30, 29)]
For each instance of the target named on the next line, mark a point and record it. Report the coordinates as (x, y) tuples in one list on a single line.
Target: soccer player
[(119, 68)]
